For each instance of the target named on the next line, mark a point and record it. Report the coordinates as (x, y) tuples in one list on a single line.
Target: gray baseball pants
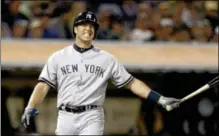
[(90, 122)]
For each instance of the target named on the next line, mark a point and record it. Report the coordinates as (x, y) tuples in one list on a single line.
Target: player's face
[(85, 31)]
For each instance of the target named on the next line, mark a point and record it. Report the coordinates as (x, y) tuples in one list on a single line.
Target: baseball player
[(80, 73)]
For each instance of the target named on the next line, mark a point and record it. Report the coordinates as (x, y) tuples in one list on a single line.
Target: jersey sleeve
[(49, 72), (119, 76)]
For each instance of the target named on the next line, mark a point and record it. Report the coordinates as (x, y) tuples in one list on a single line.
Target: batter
[(80, 73)]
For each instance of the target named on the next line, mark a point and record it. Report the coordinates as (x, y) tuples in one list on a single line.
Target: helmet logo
[(88, 16)]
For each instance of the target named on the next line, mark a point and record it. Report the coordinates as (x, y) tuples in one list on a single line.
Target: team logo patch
[(88, 16)]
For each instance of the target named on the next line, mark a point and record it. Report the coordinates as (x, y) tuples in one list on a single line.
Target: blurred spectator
[(104, 31), (211, 8), (140, 33), (166, 24), (35, 29), (35, 9), (181, 31), (144, 7), (5, 30), (198, 33), (76, 7), (112, 8), (154, 3), (199, 7), (117, 29), (215, 35), (45, 24), (180, 35), (190, 16), (19, 28), (202, 31), (208, 31), (129, 8), (178, 23), (44, 17), (79, 6), (138, 20), (164, 10), (59, 23), (166, 29), (155, 21), (12, 13), (45, 20)]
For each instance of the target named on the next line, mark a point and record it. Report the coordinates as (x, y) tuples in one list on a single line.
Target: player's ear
[(75, 30)]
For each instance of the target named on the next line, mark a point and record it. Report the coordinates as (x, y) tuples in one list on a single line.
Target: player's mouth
[(87, 33)]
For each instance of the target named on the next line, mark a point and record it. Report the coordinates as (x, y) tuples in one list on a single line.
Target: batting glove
[(173, 102), (29, 114)]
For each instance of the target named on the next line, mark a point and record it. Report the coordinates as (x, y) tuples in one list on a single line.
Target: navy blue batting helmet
[(85, 17)]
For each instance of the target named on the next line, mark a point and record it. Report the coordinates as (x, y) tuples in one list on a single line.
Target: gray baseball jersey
[(81, 78)]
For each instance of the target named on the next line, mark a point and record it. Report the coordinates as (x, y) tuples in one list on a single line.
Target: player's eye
[(88, 25)]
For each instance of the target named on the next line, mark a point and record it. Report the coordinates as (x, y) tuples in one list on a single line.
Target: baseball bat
[(207, 86)]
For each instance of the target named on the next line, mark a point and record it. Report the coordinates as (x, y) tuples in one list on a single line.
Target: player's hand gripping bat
[(207, 86)]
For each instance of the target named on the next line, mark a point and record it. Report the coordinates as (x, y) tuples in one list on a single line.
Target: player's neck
[(83, 44)]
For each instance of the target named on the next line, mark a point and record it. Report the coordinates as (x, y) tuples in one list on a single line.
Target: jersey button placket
[(81, 71), (82, 58), (79, 81)]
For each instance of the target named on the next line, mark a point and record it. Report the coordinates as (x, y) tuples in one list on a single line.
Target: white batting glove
[(173, 102)]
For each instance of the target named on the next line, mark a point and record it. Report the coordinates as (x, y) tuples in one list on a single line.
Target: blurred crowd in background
[(129, 20)]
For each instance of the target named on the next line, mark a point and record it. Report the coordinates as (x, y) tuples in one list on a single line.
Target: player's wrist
[(162, 101), (154, 96), (28, 107), (31, 110)]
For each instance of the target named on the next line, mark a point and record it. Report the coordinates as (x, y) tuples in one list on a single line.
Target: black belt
[(76, 109)]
